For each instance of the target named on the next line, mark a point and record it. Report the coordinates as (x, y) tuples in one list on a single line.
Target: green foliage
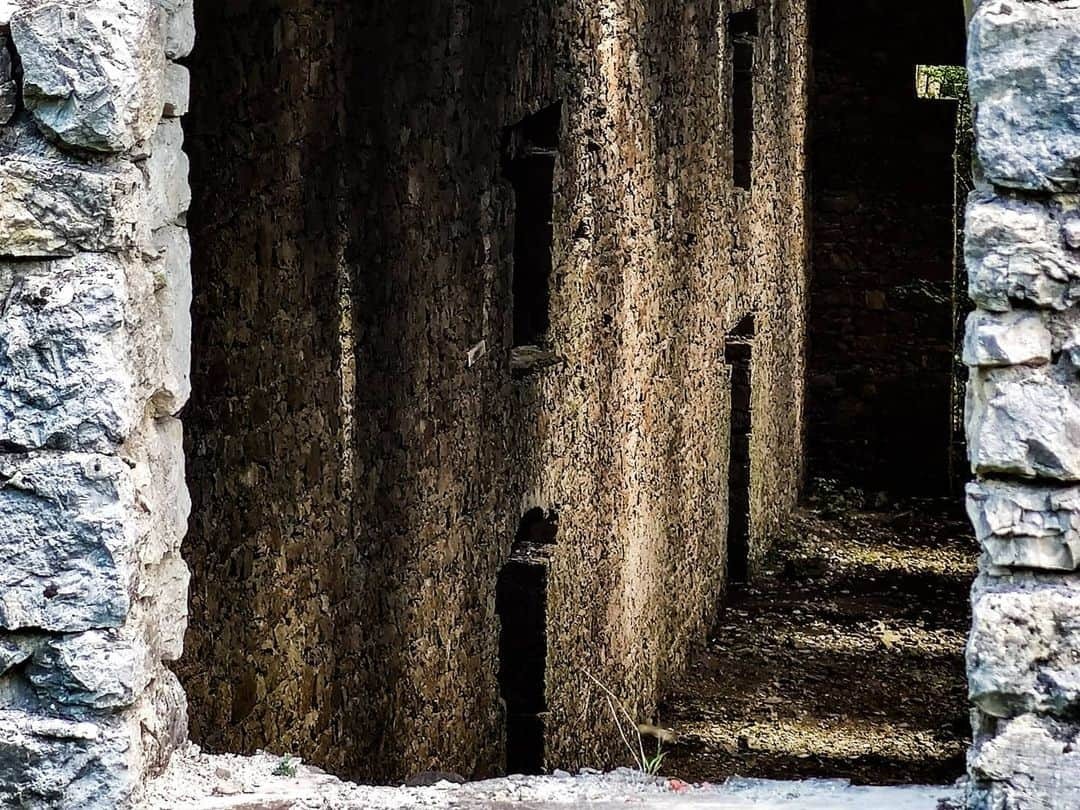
[(286, 767)]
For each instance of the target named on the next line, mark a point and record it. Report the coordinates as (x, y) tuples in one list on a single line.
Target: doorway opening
[(521, 604), (739, 355)]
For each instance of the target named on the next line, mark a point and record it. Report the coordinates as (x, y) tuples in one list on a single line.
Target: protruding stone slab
[(1024, 69), (1015, 338), (1025, 421), (92, 70), (1033, 763), (1026, 526), (1023, 654), (177, 92), (1016, 250), (169, 194), (68, 546)]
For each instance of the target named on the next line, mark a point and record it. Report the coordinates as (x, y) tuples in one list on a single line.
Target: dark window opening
[(521, 603), (742, 35), (738, 354), (537, 527), (531, 151)]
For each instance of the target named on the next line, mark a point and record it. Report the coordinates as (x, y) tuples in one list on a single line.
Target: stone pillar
[(1023, 349), (94, 356)]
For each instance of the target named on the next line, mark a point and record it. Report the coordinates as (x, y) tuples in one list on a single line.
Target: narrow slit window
[(532, 149), (742, 36)]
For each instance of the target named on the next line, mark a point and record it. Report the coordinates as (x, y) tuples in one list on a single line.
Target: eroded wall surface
[(1023, 414), (881, 304), (94, 350), (360, 451)]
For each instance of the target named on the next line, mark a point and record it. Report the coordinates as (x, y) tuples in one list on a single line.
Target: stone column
[(94, 353), (1023, 349)]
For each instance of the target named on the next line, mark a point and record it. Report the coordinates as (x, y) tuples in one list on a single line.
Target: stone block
[(169, 194), (1032, 764), (48, 762), (1026, 526), (67, 379), (179, 27), (1018, 337), (92, 70), (176, 96), (98, 669), (1016, 250), (1024, 69), (67, 552), (52, 206), (1025, 421), (1023, 654), (173, 292)]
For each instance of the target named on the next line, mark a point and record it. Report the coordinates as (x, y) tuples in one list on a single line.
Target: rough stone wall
[(881, 320), (94, 336), (360, 449), (1023, 410)]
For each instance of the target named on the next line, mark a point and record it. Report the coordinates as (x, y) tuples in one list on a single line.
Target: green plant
[(285, 767), (645, 764)]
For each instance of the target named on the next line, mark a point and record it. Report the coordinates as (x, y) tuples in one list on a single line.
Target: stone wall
[(881, 307), (94, 347), (1023, 414), (361, 447)]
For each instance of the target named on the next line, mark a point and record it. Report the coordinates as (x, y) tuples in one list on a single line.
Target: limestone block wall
[(1023, 410), (94, 355)]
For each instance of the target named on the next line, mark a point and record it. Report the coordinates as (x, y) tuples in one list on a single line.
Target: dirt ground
[(845, 659)]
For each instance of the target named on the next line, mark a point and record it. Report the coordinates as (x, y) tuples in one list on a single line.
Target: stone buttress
[(94, 365), (1023, 410)]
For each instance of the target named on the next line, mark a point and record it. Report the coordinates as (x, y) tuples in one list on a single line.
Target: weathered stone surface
[(1023, 654), (1033, 763), (69, 539), (55, 763), (1025, 526), (1016, 250), (1025, 421), (179, 27), (92, 71), (52, 206), (98, 669), (173, 293), (169, 194), (177, 91), (66, 377), (1019, 337), (9, 88), (1024, 68)]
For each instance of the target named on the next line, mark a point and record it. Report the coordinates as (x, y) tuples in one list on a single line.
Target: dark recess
[(742, 34), (738, 353), (532, 147)]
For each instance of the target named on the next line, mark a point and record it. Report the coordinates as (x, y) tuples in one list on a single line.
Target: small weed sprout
[(626, 725), (285, 767)]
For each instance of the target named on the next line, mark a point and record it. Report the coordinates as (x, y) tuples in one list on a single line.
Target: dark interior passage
[(521, 603), (881, 308), (739, 353)]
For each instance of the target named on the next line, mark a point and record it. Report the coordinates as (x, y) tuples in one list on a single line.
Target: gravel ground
[(845, 659), (196, 781)]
